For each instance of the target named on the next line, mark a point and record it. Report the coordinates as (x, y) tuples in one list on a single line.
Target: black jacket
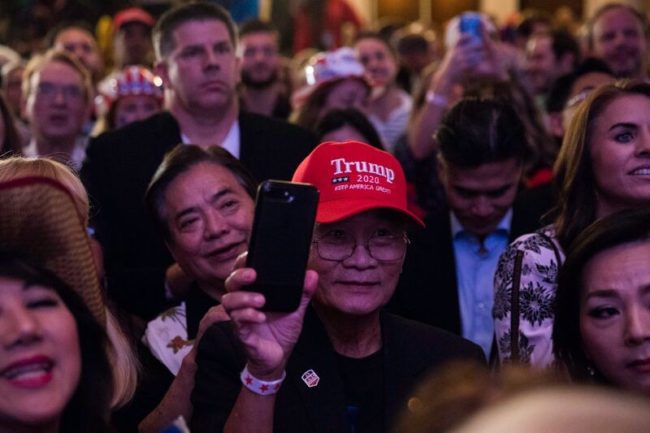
[(427, 289), (118, 168), (409, 350)]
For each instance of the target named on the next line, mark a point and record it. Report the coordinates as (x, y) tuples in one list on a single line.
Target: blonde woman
[(121, 355)]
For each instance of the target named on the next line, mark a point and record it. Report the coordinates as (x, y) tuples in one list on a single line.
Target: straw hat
[(39, 220)]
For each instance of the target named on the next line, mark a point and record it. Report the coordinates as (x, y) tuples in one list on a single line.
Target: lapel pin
[(310, 378)]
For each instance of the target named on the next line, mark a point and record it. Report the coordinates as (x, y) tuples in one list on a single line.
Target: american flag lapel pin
[(310, 378)]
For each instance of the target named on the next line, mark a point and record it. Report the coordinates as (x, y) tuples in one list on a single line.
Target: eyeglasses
[(384, 246), (50, 90)]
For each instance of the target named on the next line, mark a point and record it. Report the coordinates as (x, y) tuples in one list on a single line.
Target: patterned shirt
[(166, 336), (536, 296)]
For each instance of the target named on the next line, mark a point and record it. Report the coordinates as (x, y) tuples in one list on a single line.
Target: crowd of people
[(479, 252)]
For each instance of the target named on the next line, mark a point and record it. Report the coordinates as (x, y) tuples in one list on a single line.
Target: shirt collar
[(503, 226), (76, 157), (230, 143)]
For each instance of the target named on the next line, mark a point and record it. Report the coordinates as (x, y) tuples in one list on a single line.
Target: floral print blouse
[(537, 285), (166, 337)]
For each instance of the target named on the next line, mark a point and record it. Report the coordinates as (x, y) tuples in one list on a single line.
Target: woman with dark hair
[(602, 320), (347, 124), (601, 169), (56, 374), (10, 140)]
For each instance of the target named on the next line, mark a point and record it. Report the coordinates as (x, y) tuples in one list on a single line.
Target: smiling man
[(195, 46), (447, 279), (617, 35), (548, 57), (202, 201), (338, 363)]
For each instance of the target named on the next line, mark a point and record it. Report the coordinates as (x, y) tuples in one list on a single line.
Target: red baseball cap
[(133, 15), (354, 177)]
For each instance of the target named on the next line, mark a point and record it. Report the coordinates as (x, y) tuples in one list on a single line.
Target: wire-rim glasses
[(385, 246)]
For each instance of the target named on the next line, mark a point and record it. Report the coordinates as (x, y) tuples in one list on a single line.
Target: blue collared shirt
[(475, 267)]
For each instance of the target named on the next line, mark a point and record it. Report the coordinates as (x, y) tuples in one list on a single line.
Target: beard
[(249, 81)]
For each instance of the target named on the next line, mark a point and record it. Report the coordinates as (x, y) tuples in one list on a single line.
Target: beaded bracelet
[(260, 387)]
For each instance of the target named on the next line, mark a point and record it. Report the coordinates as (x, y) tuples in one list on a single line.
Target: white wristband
[(260, 387), (436, 99)]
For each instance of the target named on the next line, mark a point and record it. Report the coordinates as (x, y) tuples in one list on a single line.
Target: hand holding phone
[(470, 23), (278, 250)]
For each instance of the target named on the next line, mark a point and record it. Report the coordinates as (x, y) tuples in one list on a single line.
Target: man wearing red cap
[(338, 363), (132, 38)]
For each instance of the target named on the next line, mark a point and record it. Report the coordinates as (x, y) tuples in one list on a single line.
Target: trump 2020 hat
[(354, 177)]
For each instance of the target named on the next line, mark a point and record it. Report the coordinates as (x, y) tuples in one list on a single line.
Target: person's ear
[(556, 124), (162, 70)]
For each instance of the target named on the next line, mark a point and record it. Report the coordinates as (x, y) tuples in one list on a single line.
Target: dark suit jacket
[(427, 289), (117, 171), (409, 350)]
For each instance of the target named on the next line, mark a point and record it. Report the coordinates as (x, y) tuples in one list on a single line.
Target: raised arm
[(442, 92), (470, 59), (176, 401), (268, 340)]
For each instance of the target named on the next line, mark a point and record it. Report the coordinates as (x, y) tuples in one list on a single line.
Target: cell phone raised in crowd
[(471, 23), (278, 250)]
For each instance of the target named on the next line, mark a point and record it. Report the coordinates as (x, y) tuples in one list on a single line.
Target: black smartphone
[(278, 250)]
